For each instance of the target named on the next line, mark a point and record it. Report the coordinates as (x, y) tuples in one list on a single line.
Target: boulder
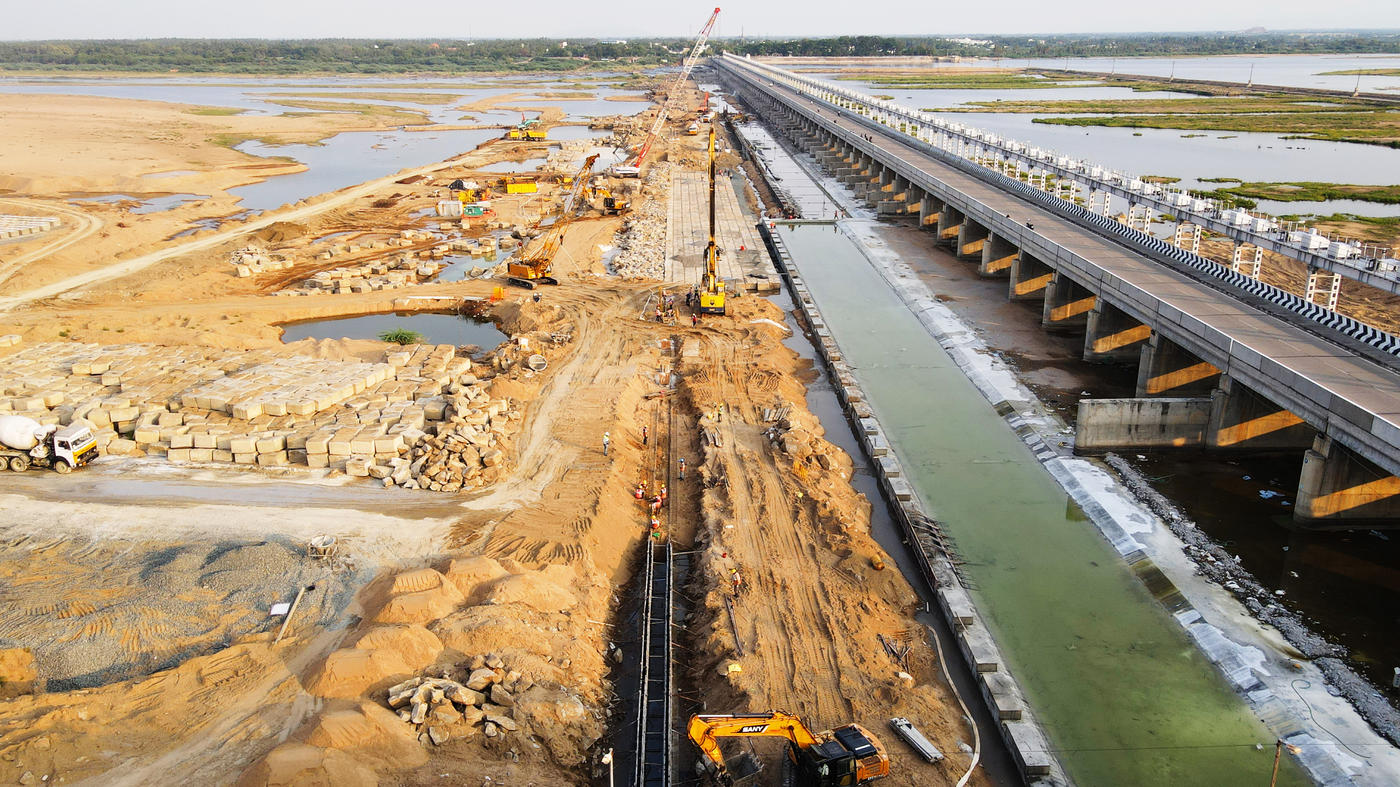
[(481, 679)]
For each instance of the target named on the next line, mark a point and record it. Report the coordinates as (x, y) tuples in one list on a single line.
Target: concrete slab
[(742, 250)]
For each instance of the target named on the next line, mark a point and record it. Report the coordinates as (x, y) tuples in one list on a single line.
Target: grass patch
[(1220, 180), (1311, 191), (1157, 106), (1374, 72), (401, 336), (1162, 179), (1379, 127), (394, 115), (215, 111), (979, 80)]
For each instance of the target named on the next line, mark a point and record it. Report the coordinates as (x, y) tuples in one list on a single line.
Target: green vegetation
[(214, 111), (1311, 191), (1220, 180), (1375, 72), (1378, 127), (389, 56), (401, 336), (978, 80), (334, 56), (1176, 106), (1162, 179)]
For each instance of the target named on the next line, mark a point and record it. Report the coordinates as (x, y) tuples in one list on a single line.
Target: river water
[(354, 157), (1186, 155), (1125, 697)]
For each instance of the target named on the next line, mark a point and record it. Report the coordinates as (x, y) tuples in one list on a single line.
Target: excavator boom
[(533, 267), (843, 757)]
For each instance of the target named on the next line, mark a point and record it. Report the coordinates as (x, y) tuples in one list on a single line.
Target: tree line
[(368, 56)]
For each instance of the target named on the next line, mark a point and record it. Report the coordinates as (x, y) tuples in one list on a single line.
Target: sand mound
[(543, 647), (417, 581), (419, 597), (17, 673), (470, 573), (532, 590), (300, 765), (371, 732), (417, 646), (350, 672)]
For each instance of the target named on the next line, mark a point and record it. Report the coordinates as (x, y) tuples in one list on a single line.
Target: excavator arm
[(706, 730), (534, 266)]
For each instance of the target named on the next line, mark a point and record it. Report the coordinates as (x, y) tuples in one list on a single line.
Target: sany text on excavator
[(845, 756), (533, 265), (712, 286)]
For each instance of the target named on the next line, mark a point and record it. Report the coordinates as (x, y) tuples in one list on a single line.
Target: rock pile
[(441, 708), (643, 237), (253, 259)]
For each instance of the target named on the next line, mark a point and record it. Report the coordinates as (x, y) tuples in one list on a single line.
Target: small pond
[(435, 328)]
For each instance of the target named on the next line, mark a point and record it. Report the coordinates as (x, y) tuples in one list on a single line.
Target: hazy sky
[(36, 19)]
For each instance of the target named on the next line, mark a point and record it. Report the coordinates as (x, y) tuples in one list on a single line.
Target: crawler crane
[(533, 267), (712, 286), (843, 757)]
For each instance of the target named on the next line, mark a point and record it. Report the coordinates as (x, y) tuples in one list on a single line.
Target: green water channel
[(1124, 695)]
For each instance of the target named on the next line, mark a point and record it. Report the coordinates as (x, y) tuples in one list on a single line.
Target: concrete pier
[(1167, 367), (1111, 335), (1067, 304), (1159, 422), (1029, 278), (998, 254), (1337, 486), (1242, 419)]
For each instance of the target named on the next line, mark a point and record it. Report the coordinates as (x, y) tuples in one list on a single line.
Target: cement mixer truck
[(25, 443)]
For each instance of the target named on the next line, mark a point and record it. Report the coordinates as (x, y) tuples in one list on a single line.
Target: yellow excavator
[(532, 267), (843, 757), (712, 286)]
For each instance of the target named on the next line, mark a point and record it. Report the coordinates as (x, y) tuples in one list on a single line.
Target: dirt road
[(84, 225)]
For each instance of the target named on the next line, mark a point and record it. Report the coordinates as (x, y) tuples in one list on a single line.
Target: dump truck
[(25, 443)]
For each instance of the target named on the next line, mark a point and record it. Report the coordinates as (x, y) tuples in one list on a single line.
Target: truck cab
[(72, 446)]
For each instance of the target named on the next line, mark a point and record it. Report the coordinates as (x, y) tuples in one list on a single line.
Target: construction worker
[(607, 442), (644, 435), (682, 469), (655, 531), (662, 494), (734, 578), (694, 320)]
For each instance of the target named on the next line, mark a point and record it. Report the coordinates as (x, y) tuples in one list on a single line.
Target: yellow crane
[(712, 286), (843, 757), (532, 267)]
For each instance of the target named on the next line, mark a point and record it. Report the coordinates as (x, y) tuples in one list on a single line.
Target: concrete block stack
[(194, 404), (251, 260), (403, 271), (19, 226)]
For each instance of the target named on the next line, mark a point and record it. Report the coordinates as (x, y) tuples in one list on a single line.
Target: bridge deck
[(1347, 396)]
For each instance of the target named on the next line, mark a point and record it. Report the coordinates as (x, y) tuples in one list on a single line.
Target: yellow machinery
[(712, 287), (519, 185), (843, 757), (527, 130), (532, 268), (607, 203)]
